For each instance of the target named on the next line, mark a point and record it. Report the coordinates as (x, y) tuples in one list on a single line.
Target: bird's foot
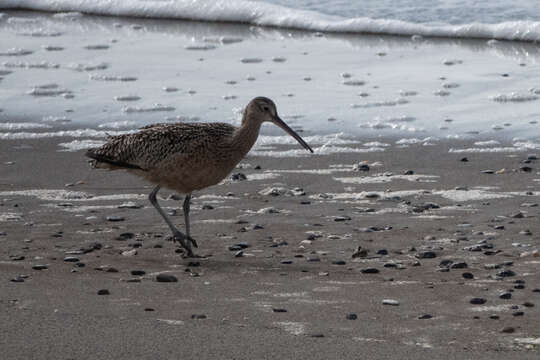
[(181, 238)]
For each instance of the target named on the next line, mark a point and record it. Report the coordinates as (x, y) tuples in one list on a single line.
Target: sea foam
[(264, 14)]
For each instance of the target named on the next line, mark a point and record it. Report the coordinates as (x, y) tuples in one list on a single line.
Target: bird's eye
[(265, 108)]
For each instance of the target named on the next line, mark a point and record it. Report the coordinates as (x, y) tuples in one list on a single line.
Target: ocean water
[(497, 19), (426, 70)]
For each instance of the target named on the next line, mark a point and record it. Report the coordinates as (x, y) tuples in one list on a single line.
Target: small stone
[(525, 168), (198, 316), (40, 267), (518, 313), (16, 257), (360, 253), (467, 275), (528, 304), (478, 301), (316, 335), (488, 172), (103, 292), (129, 252), (464, 159), (149, 309), (351, 316), (125, 236), (239, 253), (17, 279), (506, 273), (338, 262), (425, 316), (115, 218), (518, 215), (71, 259), (390, 302), (459, 265), (207, 207), (238, 177), (342, 218), (494, 317), (138, 272), (382, 252), (505, 295), (370, 271), (166, 278), (279, 310), (426, 255)]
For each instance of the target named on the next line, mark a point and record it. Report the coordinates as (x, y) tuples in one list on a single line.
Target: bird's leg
[(187, 201), (177, 234)]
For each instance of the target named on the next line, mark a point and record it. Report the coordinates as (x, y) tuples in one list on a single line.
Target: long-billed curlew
[(187, 156)]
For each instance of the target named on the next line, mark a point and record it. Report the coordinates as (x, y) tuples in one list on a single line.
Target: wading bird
[(187, 156)]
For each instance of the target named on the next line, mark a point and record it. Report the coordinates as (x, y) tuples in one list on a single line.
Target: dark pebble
[(525, 168), (362, 167), (351, 316), (478, 301), (537, 290), (198, 316), (459, 265), (505, 295), (342, 218), (467, 275), (149, 309), (518, 313), (238, 177), (494, 317), (103, 292), (115, 218), (207, 207), (425, 316), (506, 273), (519, 286), (316, 335), (40, 267), (17, 279), (426, 255), (71, 259), (382, 252), (286, 262), (279, 310), (239, 253), (138, 272), (338, 262), (166, 278), (528, 304), (16, 257), (508, 330), (370, 271), (464, 159), (125, 236)]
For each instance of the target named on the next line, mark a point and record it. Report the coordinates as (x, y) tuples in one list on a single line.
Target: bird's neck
[(245, 136)]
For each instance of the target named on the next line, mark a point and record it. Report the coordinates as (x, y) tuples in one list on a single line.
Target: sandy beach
[(412, 232), (280, 278)]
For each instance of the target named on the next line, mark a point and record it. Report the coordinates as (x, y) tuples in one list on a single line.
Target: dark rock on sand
[(505, 295), (103, 292), (467, 275), (351, 316), (166, 278), (138, 272), (425, 316), (370, 271), (426, 255), (40, 267), (198, 316), (478, 301)]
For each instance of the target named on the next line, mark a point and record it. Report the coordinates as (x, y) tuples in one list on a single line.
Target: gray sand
[(277, 300)]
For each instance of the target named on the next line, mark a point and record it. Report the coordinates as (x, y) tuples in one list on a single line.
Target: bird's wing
[(152, 144)]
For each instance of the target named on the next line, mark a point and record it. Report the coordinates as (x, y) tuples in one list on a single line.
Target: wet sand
[(279, 278)]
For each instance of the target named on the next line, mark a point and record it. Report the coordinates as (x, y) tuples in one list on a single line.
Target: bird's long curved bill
[(291, 132)]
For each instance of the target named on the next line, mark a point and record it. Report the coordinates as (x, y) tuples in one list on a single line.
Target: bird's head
[(263, 109)]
